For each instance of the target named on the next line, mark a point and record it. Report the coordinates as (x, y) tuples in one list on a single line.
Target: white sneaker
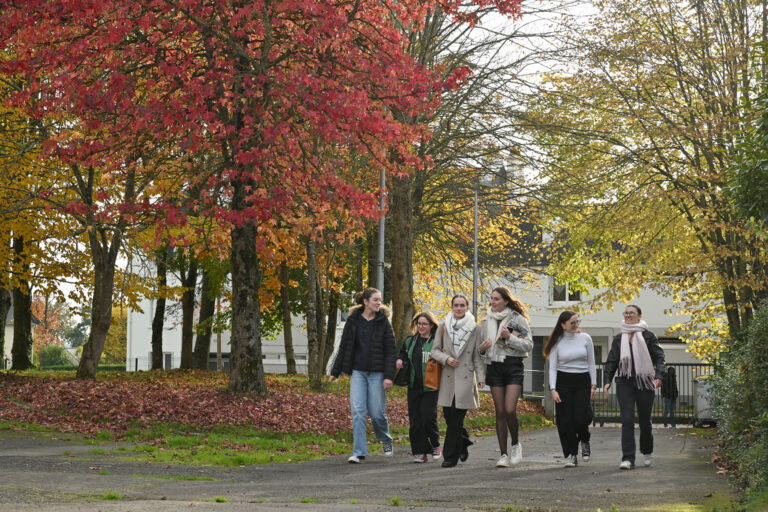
[(387, 447), (420, 458), (516, 455), (356, 459), (647, 459), (503, 461), (626, 464), (571, 461)]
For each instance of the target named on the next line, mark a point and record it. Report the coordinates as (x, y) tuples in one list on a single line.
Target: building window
[(563, 293)]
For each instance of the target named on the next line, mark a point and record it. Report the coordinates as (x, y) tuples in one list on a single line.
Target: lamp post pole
[(475, 271), (380, 263)]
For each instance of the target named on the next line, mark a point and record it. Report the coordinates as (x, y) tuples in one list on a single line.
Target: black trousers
[(573, 410), (629, 396), (423, 430), (456, 436)]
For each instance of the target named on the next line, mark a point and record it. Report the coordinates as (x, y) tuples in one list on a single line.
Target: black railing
[(606, 408)]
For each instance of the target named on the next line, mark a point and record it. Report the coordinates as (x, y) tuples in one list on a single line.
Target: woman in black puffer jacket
[(367, 353)]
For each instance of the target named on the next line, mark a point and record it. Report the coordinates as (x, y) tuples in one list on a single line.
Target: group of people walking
[(491, 352)]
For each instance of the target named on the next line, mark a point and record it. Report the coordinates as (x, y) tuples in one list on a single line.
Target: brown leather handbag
[(432, 374)]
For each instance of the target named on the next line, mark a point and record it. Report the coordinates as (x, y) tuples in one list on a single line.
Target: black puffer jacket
[(383, 348), (654, 350)]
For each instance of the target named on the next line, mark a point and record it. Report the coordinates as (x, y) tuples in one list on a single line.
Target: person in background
[(639, 359), (367, 352), (572, 382), (423, 430), (456, 349), (669, 393), (506, 343)]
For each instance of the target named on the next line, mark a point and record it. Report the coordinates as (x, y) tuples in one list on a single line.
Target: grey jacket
[(459, 383)]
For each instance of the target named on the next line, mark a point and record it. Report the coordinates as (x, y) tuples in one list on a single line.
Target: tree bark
[(158, 321), (285, 305), (247, 368), (189, 282), (5, 306), (104, 258), (207, 310), (313, 338), (401, 219), (21, 351), (330, 333)]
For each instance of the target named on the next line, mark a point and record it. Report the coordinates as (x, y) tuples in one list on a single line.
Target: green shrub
[(741, 404), (53, 355)]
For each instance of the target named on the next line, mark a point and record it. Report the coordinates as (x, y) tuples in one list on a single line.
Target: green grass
[(307, 500), (181, 478), (111, 496)]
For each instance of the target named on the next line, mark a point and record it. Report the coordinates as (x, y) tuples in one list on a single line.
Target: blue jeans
[(366, 394), (669, 410)]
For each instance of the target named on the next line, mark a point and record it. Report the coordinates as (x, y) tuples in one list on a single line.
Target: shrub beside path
[(35, 474)]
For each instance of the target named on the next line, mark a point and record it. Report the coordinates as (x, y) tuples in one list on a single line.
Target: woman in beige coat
[(456, 349)]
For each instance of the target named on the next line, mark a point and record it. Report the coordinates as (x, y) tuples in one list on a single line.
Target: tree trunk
[(207, 310), (285, 305), (330, 333), (5, 306), (104, 258), (21, 351), (247, 369), (189, 282), (322, 307), (401, 221), (158, 321), (313, 339)]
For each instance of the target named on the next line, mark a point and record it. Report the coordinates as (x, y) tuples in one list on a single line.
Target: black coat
[(382, 345), (654, 350)]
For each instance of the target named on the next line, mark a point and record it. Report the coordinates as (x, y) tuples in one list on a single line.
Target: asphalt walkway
[(39, 473)]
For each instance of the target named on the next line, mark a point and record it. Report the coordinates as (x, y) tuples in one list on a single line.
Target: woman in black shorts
[(507, 341)]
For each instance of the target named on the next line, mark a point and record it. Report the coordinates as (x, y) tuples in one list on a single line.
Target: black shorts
[(511, 371)]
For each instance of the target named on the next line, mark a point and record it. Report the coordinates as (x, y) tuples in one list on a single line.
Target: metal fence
[(606, 407)]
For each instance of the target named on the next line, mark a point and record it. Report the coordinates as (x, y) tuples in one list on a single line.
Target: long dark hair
[(511, 300), (557, 331), (365, 295), (431, 318)]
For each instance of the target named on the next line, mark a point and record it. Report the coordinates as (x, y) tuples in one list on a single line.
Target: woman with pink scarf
[(639, 359)]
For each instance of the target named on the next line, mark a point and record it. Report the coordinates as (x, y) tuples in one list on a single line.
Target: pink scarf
[(644, 371)]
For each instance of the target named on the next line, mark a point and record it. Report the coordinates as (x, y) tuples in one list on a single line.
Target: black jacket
[(382, 345), (654, 350)]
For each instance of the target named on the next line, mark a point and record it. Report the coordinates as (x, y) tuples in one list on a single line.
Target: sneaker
[(420, 458), (387, 448), (572, 461), (503, 461), (517, 454), (626, 464), (356, 459), (647, 459), (586, 452), (436, 453)]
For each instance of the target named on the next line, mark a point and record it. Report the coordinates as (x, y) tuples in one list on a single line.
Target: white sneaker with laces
[(516, 455), (503, 461), (387, 447), (626, 464), (571, 461), (356, 459), (647, 459)]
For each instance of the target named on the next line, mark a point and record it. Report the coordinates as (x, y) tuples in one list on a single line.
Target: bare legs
[(505, 401)]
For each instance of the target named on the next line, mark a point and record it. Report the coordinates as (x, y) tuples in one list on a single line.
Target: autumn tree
[(639, 124)]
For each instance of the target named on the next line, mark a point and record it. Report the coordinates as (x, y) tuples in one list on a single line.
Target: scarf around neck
[(644, 372), (459, 330), (495, 321)]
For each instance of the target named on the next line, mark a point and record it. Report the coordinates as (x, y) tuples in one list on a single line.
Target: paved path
[(35, 474)]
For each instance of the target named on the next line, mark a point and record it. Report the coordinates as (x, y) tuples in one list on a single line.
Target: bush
[(741, 402), (53, 355)]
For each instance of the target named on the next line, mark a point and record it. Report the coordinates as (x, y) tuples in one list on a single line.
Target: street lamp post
[(380, 263), (475, 270)]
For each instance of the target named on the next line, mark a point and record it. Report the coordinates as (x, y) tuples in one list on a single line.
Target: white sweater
[(573, 353)]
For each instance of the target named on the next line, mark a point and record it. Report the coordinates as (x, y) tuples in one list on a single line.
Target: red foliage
[(198, 400)]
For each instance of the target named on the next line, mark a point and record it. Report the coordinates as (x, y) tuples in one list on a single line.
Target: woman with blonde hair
[(423, 430), (456, 348), (507, 341)]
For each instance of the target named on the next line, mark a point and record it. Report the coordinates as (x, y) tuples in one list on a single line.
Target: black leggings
[(573, 410)]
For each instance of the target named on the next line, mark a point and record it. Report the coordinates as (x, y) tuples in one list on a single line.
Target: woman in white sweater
[(573, 382)]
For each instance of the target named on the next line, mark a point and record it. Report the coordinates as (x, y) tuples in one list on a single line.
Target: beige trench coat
[(460, 382)]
